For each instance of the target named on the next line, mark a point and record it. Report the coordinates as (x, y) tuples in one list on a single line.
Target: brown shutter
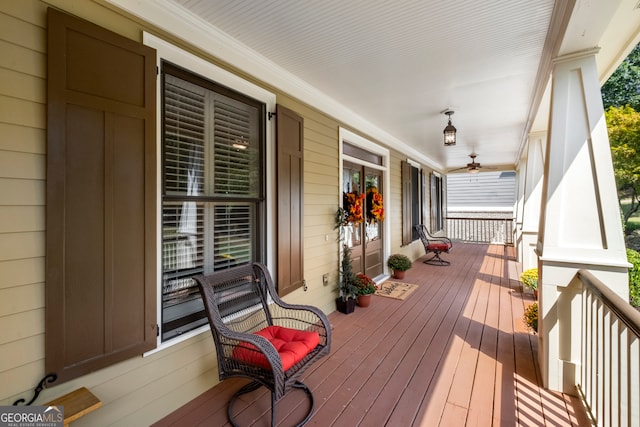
[(407, 222), (290, 194), (424, 198), (101, 169)]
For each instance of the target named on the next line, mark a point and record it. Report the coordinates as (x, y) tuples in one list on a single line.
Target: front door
[(365, 239)]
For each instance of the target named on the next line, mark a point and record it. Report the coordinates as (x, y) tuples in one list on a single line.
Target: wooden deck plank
[(404, 393), (435, 397), (454, 353), (382, 338), (505, 399), (485, 382)]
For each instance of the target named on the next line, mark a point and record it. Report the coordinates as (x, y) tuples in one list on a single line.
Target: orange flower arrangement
[(352, 205), (375, 205)]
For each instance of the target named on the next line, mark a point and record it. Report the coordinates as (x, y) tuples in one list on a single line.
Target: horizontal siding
[(25, 271), (28, 351), (152, 379), (19, 85), (22, 165), (20, 326), (21, 298), (22, 139), (21, 218), (21, 192), (15, 246), (24, 377), (29, 62), (483, 190), (23, 33), (21, 112)]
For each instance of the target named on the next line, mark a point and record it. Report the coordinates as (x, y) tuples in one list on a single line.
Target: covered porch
[(454, 352)]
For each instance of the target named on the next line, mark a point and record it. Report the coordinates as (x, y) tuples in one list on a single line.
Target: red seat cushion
[(438, 247), (292, 346)]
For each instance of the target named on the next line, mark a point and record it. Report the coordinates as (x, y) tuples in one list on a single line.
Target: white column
[(521, 174), (580, 224), (532, 198)]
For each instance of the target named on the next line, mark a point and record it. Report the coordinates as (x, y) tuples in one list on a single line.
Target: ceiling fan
[(473, 167)]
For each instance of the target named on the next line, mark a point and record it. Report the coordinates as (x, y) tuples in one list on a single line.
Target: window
[(213, 175), (411, 206), (437, 203), (415, 199)]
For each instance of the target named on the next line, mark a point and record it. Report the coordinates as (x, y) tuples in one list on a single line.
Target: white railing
[(609, 377), (481, 230)]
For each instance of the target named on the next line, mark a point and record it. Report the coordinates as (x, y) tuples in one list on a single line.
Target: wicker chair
[(260, 337), (434, 245)]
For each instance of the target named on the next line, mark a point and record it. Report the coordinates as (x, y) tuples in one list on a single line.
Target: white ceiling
[(398, 64)]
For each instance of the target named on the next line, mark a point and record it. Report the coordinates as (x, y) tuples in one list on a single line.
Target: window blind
[(184, 127), (212, 187)]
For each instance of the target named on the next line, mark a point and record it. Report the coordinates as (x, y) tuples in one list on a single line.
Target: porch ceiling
[(398, 64)]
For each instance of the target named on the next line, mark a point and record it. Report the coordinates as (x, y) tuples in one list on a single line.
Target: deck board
[(455, 352)]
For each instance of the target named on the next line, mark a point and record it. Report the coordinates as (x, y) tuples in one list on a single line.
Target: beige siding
[(142, 389), (22, 139), (21, 326), (21, 218)]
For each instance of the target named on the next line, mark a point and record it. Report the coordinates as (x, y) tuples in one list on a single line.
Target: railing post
[(609, 374), (580, 225)]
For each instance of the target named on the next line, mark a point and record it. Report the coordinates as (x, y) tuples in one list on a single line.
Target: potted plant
[(531, 317), (366, 287), (346, 302), (529, 279), (399, 264)]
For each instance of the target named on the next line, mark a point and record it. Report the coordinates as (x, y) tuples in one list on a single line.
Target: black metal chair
[(434, 245), (259, 336)]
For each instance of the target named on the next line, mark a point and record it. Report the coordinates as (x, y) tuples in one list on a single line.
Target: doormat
[(397, 290)]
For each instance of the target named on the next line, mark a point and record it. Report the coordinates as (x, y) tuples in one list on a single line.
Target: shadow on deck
[(454, 353)]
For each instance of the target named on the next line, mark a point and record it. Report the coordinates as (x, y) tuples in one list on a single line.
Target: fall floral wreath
[(375, 205), (352, 205)]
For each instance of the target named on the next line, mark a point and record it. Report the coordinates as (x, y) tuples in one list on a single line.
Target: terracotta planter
[(346, 307), (364, 300), (535, 293), (398, 274)]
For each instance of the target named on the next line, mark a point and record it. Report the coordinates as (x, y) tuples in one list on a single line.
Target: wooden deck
[(455, 353)]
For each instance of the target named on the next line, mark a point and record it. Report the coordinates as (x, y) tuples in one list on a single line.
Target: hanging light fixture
[(449, 131)]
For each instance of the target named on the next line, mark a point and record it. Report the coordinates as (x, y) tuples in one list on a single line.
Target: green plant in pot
[(366, 287), (399, 263), (346, 302), (529, 279)]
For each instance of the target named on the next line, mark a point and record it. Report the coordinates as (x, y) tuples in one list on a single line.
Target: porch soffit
[(396, 65)]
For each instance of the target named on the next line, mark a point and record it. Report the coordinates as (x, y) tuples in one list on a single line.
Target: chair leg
[(254, 385), (436, 260), (247, 388), (299, 384)]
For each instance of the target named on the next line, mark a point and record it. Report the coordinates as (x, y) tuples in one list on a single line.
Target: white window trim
[(167, 51), (345, 135), (414, 163)]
